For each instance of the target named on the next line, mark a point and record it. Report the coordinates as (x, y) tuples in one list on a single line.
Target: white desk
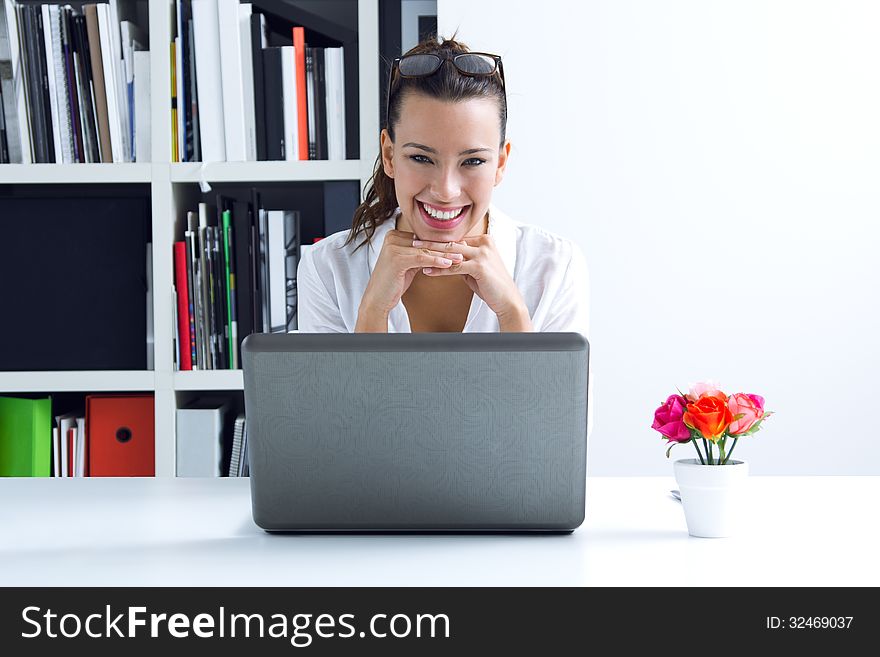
[(818, 531)]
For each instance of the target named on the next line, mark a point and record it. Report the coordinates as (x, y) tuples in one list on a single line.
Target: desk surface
[(818, 531)]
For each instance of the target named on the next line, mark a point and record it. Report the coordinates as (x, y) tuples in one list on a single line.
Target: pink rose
[(751, 407), (667, 419), (704, 389)]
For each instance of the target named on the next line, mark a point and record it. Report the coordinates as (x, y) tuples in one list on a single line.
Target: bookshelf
[(174, 188)]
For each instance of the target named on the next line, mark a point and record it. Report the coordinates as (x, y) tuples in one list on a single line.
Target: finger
[(425, 261), (399, 238), (457, 268), (457, 257), (448, 247)]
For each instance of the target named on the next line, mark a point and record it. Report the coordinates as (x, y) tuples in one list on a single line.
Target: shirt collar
[(501, 228)]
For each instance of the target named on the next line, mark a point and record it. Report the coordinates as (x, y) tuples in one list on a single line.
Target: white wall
[(719, 164)]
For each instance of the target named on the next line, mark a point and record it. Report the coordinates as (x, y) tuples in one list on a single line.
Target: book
[(254, 250), (311, 109), (142, 110), (320, 87), (335, 102), (52, 46), (183, 322), (277, 272), (235, 459), (175, 111), (200, 434), (291, 261), (86, 90), (258, 43), (229, 36), (273, 103), (25, 437), (12, 82), (191, 284), (99, 85), (241, 217), (289, 102), (112, 85), (210, 85), (245, 11), (193, 96), (299, 43), (229, 263), (72, 96)]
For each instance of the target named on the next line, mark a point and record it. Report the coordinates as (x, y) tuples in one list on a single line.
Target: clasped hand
[(475, 258)]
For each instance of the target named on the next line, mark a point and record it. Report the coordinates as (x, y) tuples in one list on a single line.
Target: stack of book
[(234, 274), (237, 99), (75, 84)]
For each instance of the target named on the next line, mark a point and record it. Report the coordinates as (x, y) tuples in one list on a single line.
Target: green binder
[(25, 437)]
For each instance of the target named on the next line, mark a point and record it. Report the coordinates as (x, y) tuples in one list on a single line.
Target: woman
[(428, 251)]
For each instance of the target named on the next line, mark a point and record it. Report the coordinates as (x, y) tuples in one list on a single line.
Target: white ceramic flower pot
[(711, 495)]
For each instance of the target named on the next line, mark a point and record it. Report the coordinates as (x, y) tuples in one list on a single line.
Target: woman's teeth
[(442, 216)]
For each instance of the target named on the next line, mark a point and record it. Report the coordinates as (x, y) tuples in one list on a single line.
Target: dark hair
[(446, 84)]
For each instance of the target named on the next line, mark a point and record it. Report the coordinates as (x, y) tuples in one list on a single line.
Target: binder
[(120, 435), (25, 437), (200, 428)]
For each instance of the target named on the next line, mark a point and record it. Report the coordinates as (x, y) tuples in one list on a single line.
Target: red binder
[(121, 435)]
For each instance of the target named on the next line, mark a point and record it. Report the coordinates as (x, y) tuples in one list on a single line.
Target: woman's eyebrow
[(432, 150)]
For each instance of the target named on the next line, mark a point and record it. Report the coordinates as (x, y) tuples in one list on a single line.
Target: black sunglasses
[(473, 64)]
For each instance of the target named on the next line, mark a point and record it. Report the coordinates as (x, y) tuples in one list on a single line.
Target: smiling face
[(446, 160)]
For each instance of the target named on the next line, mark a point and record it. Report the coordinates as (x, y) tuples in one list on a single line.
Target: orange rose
[(709, 415)]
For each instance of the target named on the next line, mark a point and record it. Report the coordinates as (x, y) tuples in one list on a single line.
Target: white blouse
[(550, 272)]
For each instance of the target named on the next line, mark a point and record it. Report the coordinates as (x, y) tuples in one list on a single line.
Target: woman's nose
[(446, 186)]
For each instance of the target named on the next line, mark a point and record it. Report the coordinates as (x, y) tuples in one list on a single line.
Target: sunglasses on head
[(472, 64)]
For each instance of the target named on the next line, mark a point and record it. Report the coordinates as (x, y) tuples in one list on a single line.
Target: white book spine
[(80, 443), (181, 93), (56, 451), (336, 102), (288, 90), (277, 281), (247, 81), (230, 66), (330, 102), (142, 122), (181, 113), (17, 99), (120, 80), (50, 71), (110, 84), (210, 89)]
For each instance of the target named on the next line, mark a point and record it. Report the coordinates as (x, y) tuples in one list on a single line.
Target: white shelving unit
[(174, 188)]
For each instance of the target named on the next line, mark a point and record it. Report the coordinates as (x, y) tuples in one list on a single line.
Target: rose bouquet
[(708, 416)]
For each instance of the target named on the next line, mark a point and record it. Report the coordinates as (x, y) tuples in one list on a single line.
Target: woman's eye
[(474, 161)]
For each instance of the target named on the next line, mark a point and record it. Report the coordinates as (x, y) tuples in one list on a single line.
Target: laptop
[(416, 432)]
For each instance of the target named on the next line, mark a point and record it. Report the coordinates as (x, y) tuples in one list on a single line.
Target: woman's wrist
[(371, 320), (515, 320)]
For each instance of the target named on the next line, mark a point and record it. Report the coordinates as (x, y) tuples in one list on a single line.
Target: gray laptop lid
[(417, 431)]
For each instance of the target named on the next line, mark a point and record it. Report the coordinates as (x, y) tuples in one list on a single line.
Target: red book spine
[(302, 117), (71, 452), (185, 326)]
